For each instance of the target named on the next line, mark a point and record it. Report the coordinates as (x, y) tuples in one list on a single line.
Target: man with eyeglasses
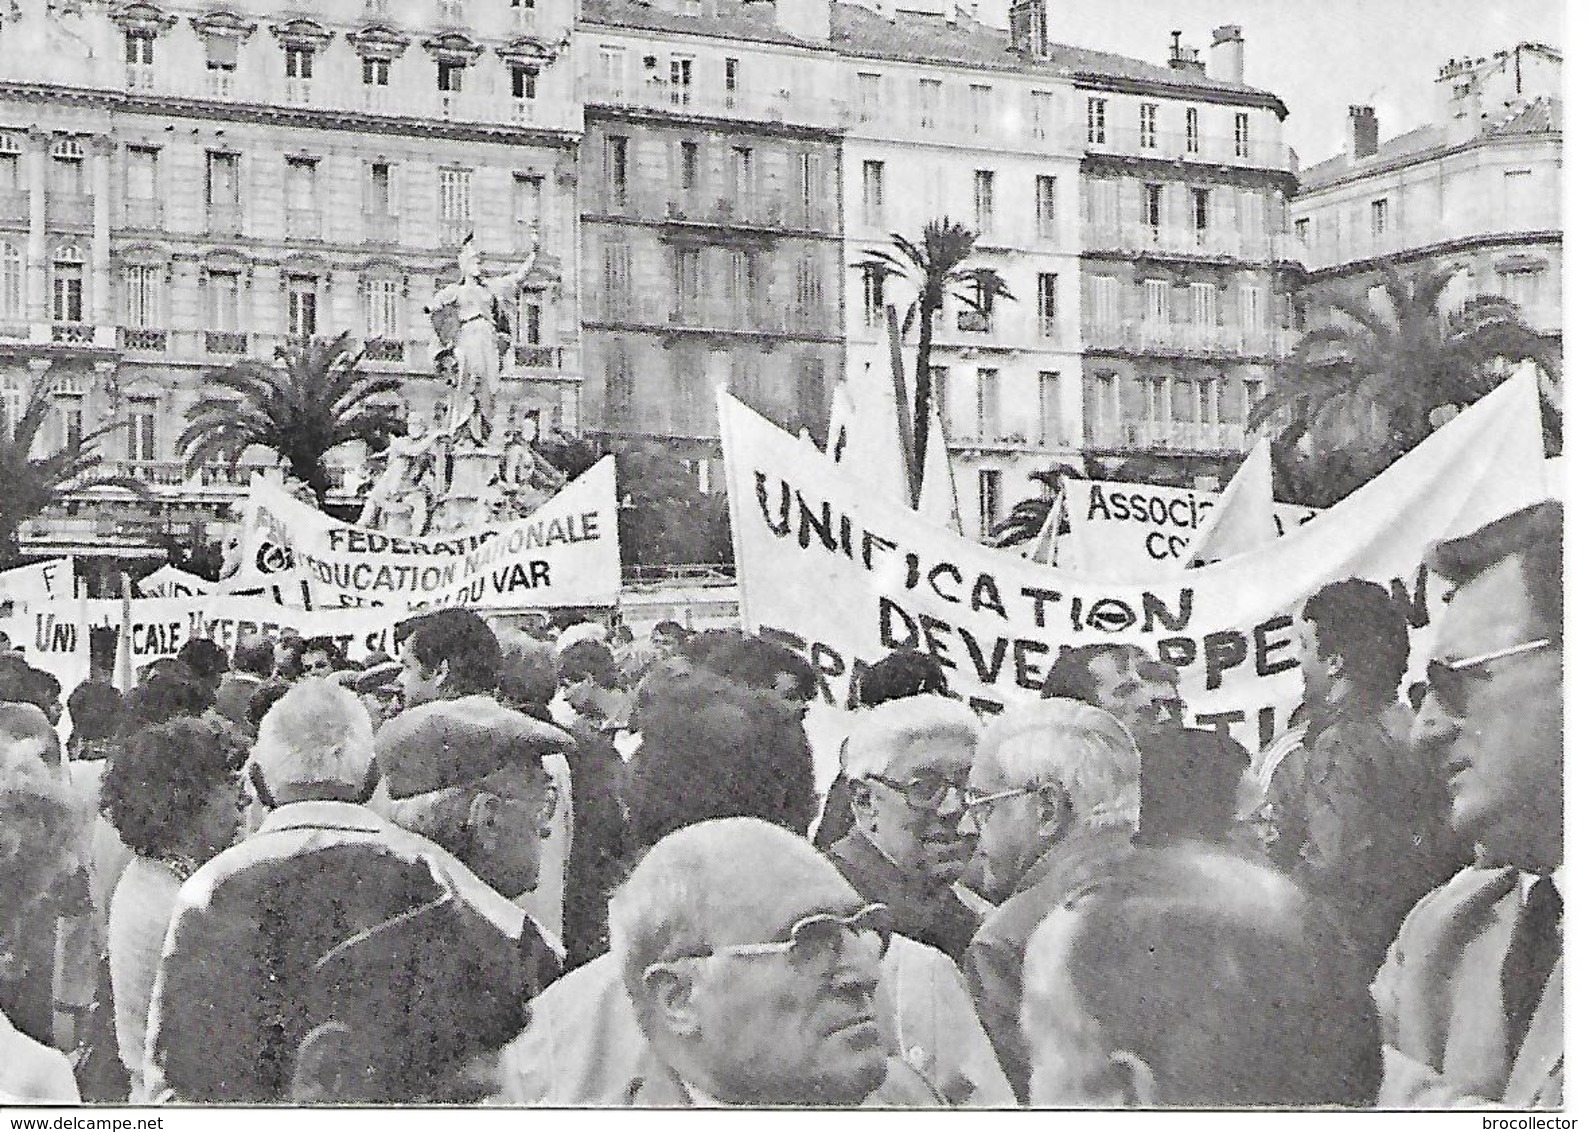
[(752, 966), (1470, 996), (1359, 818), (907, 762), (1053, 799)]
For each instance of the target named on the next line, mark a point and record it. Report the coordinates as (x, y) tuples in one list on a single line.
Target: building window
[(612, 69), (143, 296), (990, 499), (300, 62), (1521, 288), (1242, 138), (529, 319), (141, 414), (689, 168), (808, 287), (66, 168), (11, 278), (981, 108), (220, 182), (1050, 422), (812, 397), (1152, 205), (522, 81), (1105, 406), (1047, 217), (620, 385), (687, 282), (741, 173), (681, 74), (615, 172), (810, 188), (140, 59), (71, 407), (377, 72), (869, 95), (929, 97), (1252, 313), (872, 193), (730, 81), (1192, 138), (1095, 120), (1156, 302), (872, 294), (1150, 126), (302, 303), (300, 185), (1378, 216), (742, 287), (1105, 294), (527, 205), (223, 300), (1199, 214), (455, 206), (378, 190), (1303, 232), (982, 193), (1047, 304), (1041, 113), (615, 279), (66, 285), (1204, 305), (990, 413), (382, 299), (10, 164)]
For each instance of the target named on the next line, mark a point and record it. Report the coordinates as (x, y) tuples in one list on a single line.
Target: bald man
[(752, 965)]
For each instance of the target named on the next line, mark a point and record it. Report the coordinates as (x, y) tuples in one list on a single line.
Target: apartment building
[(182, 187), (1481, 188), (710, 217)]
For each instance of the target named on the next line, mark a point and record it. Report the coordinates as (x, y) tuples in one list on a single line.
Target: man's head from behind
[(205, 661), (1044, 771), (1493, 713), (1108, 676), (1193, 977), (1353, 643), (447, 654), (255, 655), (314, 742), (907, 762), (752, 963), (21, 683)]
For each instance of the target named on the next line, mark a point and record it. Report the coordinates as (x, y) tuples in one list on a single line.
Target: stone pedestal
[(470, 494)]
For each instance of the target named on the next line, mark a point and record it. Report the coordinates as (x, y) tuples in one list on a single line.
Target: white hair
[(1074, 745), (882, 732), (317, 732)]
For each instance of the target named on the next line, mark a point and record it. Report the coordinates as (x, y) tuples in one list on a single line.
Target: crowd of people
[(522, 868)]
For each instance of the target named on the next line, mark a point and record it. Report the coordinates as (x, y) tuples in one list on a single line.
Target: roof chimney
[(1029, 28), (1227, 55), (1365, 131), (1183, 58)]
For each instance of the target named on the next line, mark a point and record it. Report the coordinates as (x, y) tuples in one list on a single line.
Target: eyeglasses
[(927, 793), (978, 806), (1450, 680), (815, 940)]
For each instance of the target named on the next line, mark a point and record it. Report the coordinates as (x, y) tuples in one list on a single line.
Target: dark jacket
[(926, 912), (993, 963), (1189, 781)]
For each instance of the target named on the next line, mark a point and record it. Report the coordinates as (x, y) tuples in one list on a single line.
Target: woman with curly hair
[(174, 793), (41, 820)]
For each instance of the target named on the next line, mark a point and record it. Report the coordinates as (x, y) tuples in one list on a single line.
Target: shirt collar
[(322, 815)]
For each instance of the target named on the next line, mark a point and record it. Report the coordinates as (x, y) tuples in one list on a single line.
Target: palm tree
[(1404, 361), (34, 483), (315, 401), (936, 267)]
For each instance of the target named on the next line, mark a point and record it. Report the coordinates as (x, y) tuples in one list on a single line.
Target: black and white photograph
[(916, 555)]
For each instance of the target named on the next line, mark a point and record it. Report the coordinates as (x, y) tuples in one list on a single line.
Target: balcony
[(1213, 149), (69, 210), (303, 223), (1187, 339), (14, 206), (142, 213), (746, 210), (700, 102), (1178, 436), (299, 91), (524, 111), (140, 76), (1192, 243), (225, 219), (72, 333), (682, 317), (221, 83), (383, 350), (226, 343), (528, 356), (143, 338), (453, 230), (380, 228)]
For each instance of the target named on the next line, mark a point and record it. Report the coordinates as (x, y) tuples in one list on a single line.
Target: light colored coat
[(1439, 999), (583, 1045)]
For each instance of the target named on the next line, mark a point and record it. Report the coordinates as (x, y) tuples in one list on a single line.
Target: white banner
[(845, 577), (1137, 530), (565, 554), (50, 580), (168, 581)]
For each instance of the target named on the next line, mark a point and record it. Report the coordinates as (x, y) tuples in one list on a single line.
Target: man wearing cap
[(314, 770)]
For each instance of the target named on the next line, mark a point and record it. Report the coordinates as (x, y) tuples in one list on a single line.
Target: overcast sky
[(1320, 56)]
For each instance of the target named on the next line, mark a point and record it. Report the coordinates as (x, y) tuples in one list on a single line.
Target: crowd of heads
[(1184, 970)]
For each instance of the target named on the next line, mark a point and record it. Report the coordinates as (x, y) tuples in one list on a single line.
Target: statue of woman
[(400, 499), (471, 319)]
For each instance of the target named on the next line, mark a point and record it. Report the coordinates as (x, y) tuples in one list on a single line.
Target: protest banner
[(845, 577), (168, 581), (50, 580), (565, 554), (1139, 530), (1244, 518)]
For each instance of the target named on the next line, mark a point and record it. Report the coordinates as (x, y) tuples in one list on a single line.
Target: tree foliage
[(314, 401), (29, 484), (936, 266)]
